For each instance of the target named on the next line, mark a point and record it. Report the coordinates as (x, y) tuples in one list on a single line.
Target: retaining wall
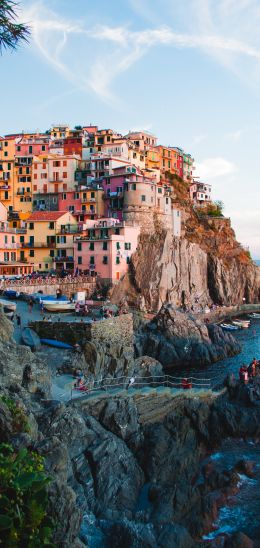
[(113, 331)]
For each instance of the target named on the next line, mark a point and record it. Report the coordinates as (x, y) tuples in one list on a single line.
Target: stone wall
[(67, 288), (116, 331)]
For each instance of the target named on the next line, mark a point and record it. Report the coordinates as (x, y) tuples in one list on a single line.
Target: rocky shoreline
[(129, 464)]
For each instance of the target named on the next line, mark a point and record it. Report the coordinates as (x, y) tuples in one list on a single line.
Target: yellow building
[(93, 204), (49, 240), (60, 131)]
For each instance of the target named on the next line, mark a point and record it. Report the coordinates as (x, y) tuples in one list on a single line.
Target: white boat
[(243, 324), (8, 304), (254, 315), (229, 327), (59, 306)]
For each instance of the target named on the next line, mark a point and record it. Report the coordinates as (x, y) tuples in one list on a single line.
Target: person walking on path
[(131, 382)]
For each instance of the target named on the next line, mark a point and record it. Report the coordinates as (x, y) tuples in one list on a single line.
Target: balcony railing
[(11, 246), (32, 245), (66, 259)]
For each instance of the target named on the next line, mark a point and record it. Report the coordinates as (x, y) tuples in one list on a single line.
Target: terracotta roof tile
[(46, 215)]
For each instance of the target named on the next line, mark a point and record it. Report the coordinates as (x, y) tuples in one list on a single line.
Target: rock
[(66, 515), (132, 535), (176, 338), (174, 536), (245, 467), (239, 540)]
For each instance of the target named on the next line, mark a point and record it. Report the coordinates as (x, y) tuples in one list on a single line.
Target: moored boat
[(254, 315), (59, 306), (243, 324), (229, 327), (57, 344), (11, 293), (8, 304), (31, 339)]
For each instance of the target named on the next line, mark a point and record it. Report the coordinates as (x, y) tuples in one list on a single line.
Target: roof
[(46, 215)]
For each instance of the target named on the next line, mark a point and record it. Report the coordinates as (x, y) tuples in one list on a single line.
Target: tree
[(11, 32)]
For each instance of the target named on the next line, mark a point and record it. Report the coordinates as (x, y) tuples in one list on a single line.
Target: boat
[(229, 327), (242, 324), (11, 294), (9, 313), (254, 315), (59, 306), (31, 339), (57, 344), (8, 304)]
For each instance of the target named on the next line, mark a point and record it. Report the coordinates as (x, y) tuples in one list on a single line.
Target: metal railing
[(166, 381)]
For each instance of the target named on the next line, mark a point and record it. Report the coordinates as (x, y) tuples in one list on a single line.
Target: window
[(13, 240), (169, 164), (92, 195), (92, 246), (127, 260), (6, 195), (64, 196), (13, 256), (134, 155), (143, 198), (79, 246), (9, 166), (6, 143), (159, 190), (92, 259), (31, 226), (5, 153), (27, 171), (52, 253), (71, 208), (65, 175), (76, 195), (30, 149), (133, 186), (79, 260), (18, 148), (117, 245), (117, 260), (128, 246), (56, 163), (43, 148), (117, 231), (31, 253), (6, 256), (6, 239), (167, 201), (43, 175), (64, 163), (105, 259), (51, 225), (105, 246), (46, 266)]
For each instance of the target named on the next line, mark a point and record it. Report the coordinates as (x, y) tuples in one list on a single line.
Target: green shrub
[(19, 419), (23, 500)]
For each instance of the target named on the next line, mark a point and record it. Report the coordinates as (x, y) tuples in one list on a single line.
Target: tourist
[(58, 293), (131, 382), (243, 374), (30, 305), (186, 384), (85, 309), (77, 308)]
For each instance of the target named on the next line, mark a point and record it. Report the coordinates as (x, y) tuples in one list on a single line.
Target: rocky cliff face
[(128, 463), (207, 262)]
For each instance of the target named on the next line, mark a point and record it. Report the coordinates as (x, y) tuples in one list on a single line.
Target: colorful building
[(200, 193), (105, 249), (49, 240)]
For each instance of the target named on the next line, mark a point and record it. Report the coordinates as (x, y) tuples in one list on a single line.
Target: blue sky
[(187, 71)]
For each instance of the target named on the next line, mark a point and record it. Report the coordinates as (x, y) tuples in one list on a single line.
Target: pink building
[(106, 249), (69, 201), (32, 145)]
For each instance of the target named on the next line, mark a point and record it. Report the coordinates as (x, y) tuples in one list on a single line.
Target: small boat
[(57, 344), (9, 313), (229, 327), (8, 304), (242, 324), (58, 306), (11, 294), (31, 339), (254, 315)]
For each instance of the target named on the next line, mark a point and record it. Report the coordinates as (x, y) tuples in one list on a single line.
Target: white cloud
[(116, 49), (212, 168)]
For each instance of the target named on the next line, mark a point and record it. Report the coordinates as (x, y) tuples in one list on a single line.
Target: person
[(186, 384), (131, 382), (77, 308), (18, 320), (41, 308), (30, 305), (243, 373), (58, 293), (85, 309)]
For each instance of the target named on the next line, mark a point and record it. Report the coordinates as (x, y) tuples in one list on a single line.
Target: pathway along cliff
[(130, 470)]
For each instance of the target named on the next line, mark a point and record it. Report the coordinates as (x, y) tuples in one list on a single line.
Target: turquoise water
[(257, 261)]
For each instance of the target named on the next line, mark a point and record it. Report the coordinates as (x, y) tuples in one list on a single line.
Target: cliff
[(206, 264)]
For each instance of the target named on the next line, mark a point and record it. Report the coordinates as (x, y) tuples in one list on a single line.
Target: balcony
[(13, 216), (92, 267), (4, 187), (33, 245), (59, 180), (63, 259), (11, 246)]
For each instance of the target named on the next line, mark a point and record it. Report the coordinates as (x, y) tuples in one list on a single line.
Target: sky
[(188, 71)]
